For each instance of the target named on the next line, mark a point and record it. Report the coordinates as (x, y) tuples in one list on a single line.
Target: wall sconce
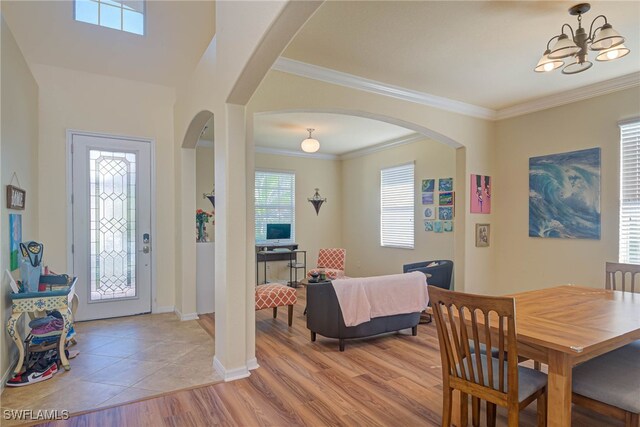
[(317, 201), (211, 196)]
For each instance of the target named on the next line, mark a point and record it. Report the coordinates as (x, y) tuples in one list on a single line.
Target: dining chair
[(464, 318), (622, 277), (610, 384)]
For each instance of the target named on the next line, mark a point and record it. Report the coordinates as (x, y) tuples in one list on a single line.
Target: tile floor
[(122, 360)]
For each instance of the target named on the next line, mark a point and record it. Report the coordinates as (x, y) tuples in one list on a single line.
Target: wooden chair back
[(463, 318), (622, 277)]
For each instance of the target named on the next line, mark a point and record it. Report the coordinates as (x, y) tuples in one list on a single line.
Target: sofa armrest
[(324, 315)]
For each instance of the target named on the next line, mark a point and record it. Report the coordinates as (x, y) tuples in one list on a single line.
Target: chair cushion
[(483, 349), (529, 380), (332, 274), (274, 295), (613, 378)]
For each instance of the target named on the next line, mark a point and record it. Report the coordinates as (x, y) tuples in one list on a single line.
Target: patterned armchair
[(331, 261)]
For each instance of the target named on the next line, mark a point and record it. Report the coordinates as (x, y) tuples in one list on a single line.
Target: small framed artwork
[(427, 198), (15, 238), (480, 194), (428, 225), (16, 197), (447, 226), (445, 213), (428, 185), (437, 226), (445, 184), (483, 234), (429, 213), (446, 199)]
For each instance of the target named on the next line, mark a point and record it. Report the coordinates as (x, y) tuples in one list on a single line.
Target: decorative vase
[(201, 231)]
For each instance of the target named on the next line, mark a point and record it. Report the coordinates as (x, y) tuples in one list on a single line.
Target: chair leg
[(414, 331), (275, 312), (475, 411), (447, 395), (290, 315), (632, 420), (514, 415), (542, 409), (491, 414), (464, 409)]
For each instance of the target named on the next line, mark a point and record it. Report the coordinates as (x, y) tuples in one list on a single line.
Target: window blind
[(397, 206), (629, 238), (275, 201)]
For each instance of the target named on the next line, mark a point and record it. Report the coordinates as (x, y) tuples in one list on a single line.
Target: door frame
[(69, 204)]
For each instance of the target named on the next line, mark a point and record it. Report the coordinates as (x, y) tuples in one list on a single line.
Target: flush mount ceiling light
[(310, 145), (604, 40)]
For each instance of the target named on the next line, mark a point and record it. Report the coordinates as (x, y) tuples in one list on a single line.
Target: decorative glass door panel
[(111, 225)]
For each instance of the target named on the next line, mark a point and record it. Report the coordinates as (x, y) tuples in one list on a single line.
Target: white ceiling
[(338, 134), (478, 52), (177, 34)]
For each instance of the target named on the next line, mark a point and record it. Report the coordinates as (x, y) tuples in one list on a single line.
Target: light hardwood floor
[(393, 380)]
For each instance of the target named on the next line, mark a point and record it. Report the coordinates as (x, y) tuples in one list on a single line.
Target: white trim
[(163, 309), (69, 176), (9, 372), (186, 316), (351, 81), (396, 142), (252, 364), (573, 95), (629, 121), (294, 153), (328, 75), (230, 374)]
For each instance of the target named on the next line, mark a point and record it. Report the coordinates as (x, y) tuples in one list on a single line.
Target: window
[(120, 15), (629, 238), (397, 207), (275, 201)]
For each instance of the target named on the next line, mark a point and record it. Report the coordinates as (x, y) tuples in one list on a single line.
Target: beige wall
[(77, 100), (204, 178), (18, 153), (525, 262), (312, 231), (361, 208)]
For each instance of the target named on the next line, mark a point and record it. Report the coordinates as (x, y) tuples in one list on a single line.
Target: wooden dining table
[(567, 325)]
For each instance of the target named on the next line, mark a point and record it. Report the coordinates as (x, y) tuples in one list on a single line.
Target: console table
[(64, 300)]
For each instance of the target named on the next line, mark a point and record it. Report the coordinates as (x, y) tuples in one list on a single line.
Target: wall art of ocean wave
[(564, 195)]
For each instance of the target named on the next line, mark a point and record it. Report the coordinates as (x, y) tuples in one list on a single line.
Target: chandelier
[(603, 40)]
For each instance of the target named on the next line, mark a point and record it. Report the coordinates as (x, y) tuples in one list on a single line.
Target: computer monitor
[(278, 231)]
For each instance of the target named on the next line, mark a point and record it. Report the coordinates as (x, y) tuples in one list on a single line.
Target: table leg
[(559, 384), (67, 318), (12, 329)]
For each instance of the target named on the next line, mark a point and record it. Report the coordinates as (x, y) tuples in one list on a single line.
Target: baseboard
[(8, 373), (230, 374), (165, 309), (252, 364), (186, 316)]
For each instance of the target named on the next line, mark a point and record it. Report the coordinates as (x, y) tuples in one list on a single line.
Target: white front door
[(111, 199)]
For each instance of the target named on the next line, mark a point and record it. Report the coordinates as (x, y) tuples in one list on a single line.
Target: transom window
[(275, 202), (397, 206), (629, 238), (120, 15)]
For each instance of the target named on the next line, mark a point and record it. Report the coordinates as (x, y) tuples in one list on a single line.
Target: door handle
[(145, 249)]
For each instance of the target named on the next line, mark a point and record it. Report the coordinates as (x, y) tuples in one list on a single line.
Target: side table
[(64, 300)]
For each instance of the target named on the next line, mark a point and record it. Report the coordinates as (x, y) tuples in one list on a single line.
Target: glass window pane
[(110, 17), (87, 11), (133, 22)]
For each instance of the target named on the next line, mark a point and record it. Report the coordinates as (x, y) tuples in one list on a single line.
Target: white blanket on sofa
[(362, 299)]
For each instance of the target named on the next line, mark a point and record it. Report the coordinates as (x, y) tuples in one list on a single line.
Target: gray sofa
[(324, 317)]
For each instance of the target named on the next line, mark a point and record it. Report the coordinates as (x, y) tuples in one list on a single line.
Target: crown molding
[(573, 95), (328, 75), (403, 140), (292, 153), (351, 81)]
